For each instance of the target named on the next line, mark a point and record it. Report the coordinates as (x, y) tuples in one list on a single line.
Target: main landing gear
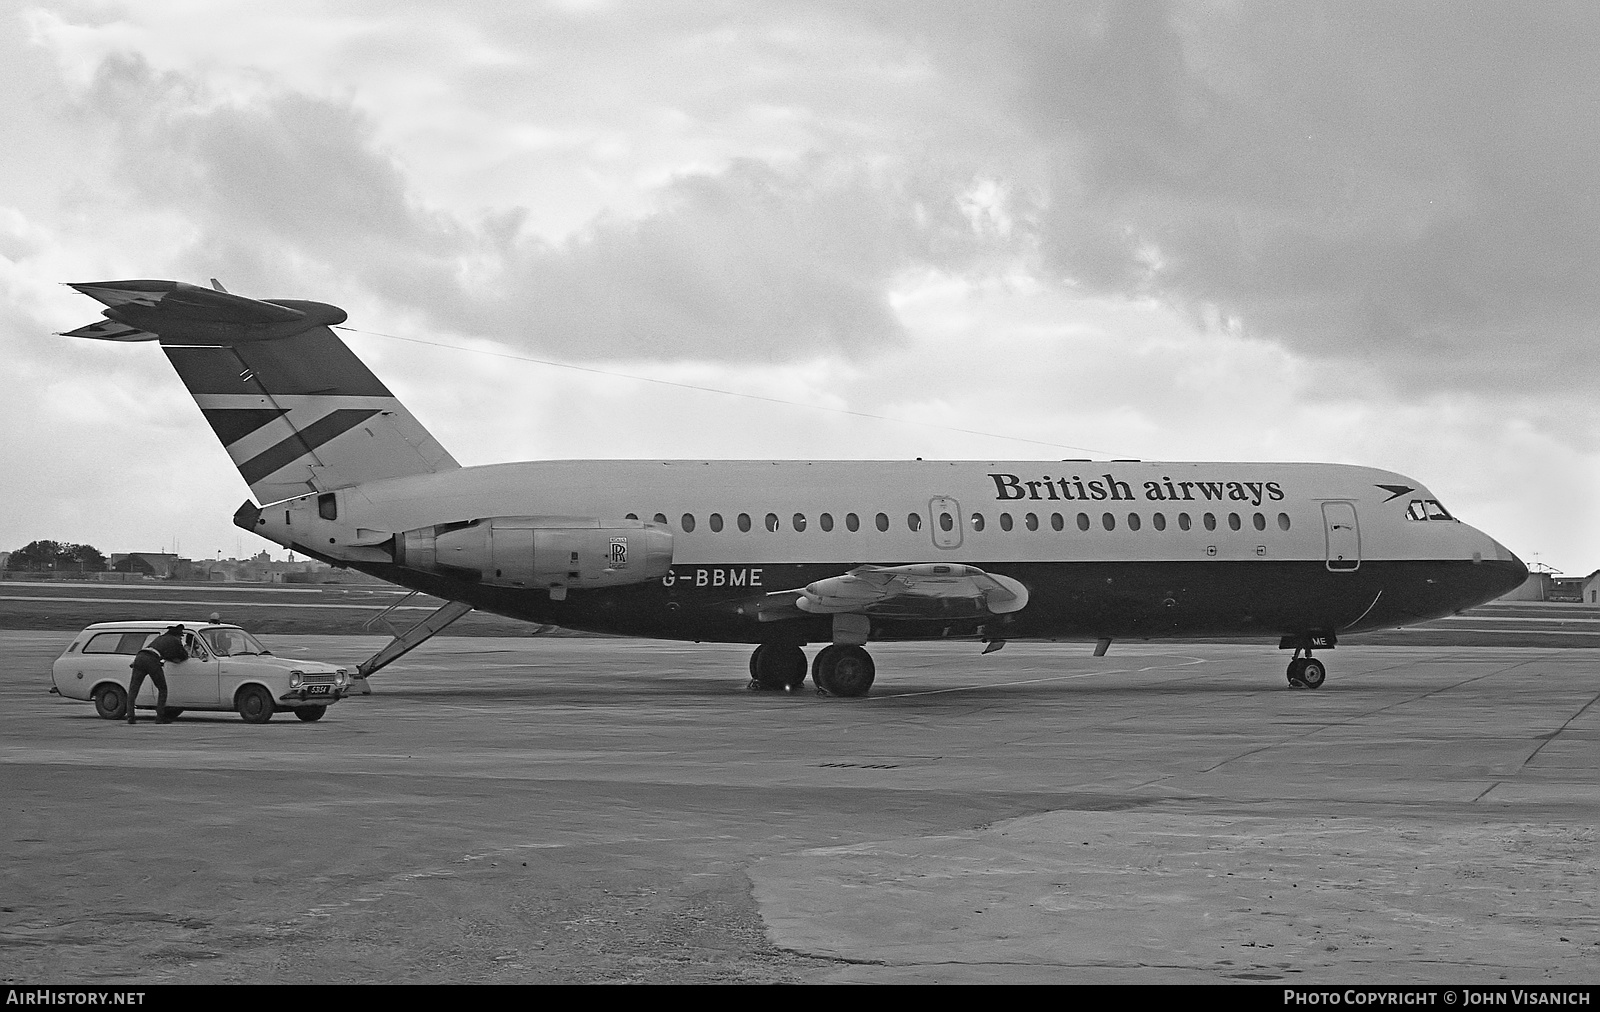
[(838, 669), (1306, 672)]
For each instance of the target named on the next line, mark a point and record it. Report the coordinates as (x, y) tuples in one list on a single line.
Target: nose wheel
[(1307, 673)]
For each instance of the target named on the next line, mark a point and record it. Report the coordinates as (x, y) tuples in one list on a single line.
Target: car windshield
[(233, 642)]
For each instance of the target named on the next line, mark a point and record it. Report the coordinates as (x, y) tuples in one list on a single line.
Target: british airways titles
[(1010, 486)]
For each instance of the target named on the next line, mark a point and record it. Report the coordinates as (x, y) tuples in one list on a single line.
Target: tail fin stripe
[(233, 424), (303, 443)]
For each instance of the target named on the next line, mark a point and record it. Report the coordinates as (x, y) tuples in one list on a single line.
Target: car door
[(193, 683)]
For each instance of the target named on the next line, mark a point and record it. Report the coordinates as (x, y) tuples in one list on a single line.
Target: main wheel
[(822, 664), (254, 704), (310, 713), (1313, 673), (848, 671), (779, 666), (1295, 667), (111, 702)]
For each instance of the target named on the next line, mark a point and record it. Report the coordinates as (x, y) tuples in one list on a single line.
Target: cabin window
[(946, 522), (1233, 521), (631, 516), (1210, 521), (826, 521), (1283, 521), (799, 521), (1259, 521), (1083, 521), (1160, 520), (914, 521), (882, 521), (1133, 521), (977, 521), (715, 520), (688, 522), (852, 522), (661, 518), (1056, 522), (1031, 521), (328, 506), (1005, 521), (1183, 522), (1108, 521), (772, 522), (744, 522)]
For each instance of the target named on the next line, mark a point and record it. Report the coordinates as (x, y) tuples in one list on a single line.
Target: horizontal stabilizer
[(111, 330), (192, 301), (184, 314)]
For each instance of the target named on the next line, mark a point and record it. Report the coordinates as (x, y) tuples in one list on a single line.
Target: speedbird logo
[(1010, 486)]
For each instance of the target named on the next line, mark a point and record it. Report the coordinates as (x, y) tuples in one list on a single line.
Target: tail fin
[(297, 411)]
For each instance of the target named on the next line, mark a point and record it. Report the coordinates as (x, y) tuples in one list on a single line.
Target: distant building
[(1591, 588), (1554, 587), (1567, 588), (158, 565), (1537, 587)]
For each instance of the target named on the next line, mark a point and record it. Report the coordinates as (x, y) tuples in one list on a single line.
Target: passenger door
[(1343, 536), (193, 683)]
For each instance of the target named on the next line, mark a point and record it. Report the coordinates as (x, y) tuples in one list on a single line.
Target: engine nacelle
[(551, 553)]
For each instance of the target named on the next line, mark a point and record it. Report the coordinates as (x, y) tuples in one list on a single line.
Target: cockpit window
[(1427, 509)]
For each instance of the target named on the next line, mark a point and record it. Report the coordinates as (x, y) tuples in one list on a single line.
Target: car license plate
[(318, 690)]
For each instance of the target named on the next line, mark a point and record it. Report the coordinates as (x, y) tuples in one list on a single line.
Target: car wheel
[(310, 713), (111, 702), (254, 704)]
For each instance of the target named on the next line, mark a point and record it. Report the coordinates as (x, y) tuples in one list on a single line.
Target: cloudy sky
[(1356, 232)]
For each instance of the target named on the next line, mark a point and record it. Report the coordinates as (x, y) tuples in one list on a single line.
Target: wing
[(925, 590)]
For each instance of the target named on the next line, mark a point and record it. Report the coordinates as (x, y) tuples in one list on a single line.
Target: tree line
[(44, 556)]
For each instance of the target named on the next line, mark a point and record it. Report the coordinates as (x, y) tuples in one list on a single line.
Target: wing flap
[(924, 590)]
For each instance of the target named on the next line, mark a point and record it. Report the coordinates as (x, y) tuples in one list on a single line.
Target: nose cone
[(1509, 571)]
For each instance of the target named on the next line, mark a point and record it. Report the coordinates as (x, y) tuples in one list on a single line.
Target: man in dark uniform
[(149, 661)]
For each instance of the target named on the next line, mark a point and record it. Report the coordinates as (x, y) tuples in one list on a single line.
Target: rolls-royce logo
[(619, 552)]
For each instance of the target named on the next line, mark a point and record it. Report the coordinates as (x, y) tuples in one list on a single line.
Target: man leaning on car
[(148, 661)]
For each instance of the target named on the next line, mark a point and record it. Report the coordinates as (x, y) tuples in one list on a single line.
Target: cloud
[(1412, 184), (756, 260)]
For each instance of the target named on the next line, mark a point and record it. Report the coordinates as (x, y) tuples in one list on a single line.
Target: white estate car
[(227, 669)]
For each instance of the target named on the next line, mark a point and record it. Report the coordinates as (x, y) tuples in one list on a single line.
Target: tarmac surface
[(560, 810)]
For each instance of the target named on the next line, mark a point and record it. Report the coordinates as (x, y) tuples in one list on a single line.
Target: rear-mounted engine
[(551, 553)]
